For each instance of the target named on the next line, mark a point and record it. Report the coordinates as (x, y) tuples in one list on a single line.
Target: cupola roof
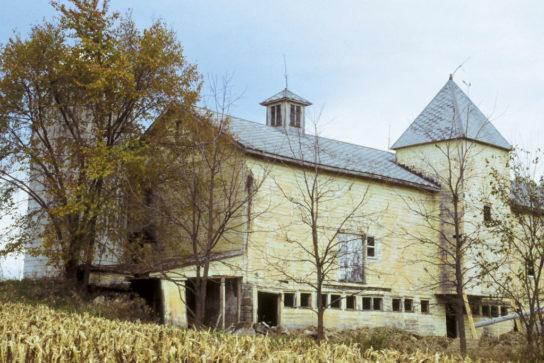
[(286, 95)]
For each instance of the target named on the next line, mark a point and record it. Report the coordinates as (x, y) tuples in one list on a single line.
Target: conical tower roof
[(451, 115)]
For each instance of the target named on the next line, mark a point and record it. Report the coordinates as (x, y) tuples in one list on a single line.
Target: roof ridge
[(456, 110)]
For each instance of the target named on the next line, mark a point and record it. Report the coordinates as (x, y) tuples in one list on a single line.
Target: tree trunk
[(459, 316), (320, 310), (70, 271), (200, 297)]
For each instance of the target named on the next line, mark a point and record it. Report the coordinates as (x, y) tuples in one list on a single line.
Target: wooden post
[(222, 302), (470, 319), (239, 293), (280, 308), (516, 321)]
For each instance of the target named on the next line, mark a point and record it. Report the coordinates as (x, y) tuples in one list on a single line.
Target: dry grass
[(39, 334), (60, 295)]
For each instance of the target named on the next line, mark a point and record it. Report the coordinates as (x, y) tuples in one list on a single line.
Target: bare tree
[(325, 240), (515, 261), (445, 228), (199, 197)]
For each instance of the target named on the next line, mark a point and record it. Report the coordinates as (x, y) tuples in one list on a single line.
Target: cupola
[(286, 109)]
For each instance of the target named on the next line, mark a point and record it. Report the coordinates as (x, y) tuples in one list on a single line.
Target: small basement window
[(370, 247), (305, 299), (424, 306), (396, 305), (289, 299), (377, 303), (494, 311), (504, 310), (350, 302), (408, 305), (487, 213), (366, 303), (485, 310), (336, 301)]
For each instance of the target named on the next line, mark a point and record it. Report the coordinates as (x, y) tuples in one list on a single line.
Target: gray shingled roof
[(286, 95), (451, 115), (334, 155)]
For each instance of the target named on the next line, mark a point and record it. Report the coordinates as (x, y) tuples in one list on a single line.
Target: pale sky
[(370, 67)]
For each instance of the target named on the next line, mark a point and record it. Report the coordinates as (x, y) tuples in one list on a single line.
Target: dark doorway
[(267, 310), (212, 309), (151, 291), (231, 301), (451, 321), (212, 315)]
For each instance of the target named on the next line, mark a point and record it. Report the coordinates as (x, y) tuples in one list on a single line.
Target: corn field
[(40, 334)]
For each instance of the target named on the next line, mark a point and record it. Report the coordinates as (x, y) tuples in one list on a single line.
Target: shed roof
[(451, 115)]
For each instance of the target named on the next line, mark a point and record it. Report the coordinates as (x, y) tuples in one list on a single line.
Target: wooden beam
[(516, 321), (470, 319)]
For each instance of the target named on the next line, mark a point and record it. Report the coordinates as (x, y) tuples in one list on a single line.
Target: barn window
[(485, 310), (370, 247), (367, 301), (295, 116), (305, 299), (408, 305), (494, 311), (350, 302), (424, 306), (504, 311), (350, 257), (336, 301), (289, 300), (396, 305), (377, 303), (275, 115)]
